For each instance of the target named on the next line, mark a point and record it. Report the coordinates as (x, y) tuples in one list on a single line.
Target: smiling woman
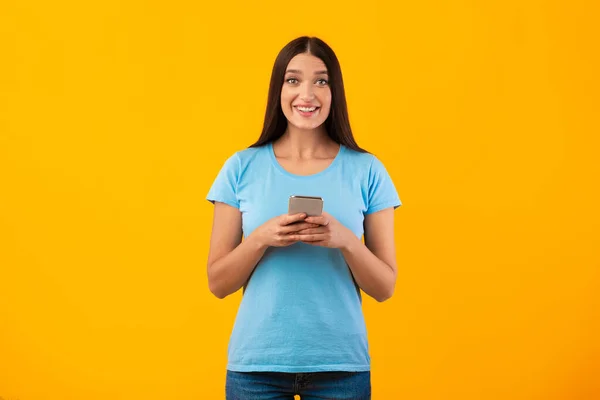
[(307, 73), (300, 328), (306, 96)]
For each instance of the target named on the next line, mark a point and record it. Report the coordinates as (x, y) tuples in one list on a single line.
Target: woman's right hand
[(275, 232)]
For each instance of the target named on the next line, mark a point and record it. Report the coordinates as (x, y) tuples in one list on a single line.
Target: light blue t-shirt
[(301, 310)]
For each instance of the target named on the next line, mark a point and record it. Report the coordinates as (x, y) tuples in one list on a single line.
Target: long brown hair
[(337, 123)]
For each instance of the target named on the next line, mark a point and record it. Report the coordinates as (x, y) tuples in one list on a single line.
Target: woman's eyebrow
[(297, 71)]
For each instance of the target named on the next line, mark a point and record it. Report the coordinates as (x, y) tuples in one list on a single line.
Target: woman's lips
[(307, 111)]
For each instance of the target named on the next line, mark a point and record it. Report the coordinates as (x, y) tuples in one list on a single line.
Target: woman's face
[(305, 95)]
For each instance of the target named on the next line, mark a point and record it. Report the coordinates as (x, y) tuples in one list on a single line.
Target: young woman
[(300, 327)]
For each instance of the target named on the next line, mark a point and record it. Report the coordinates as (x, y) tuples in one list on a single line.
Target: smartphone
[(312, 206)]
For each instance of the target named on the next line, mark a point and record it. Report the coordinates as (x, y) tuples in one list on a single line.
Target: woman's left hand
[(331, 233)]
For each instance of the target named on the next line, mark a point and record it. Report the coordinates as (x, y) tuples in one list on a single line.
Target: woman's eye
[(291, 80), (322, 82)]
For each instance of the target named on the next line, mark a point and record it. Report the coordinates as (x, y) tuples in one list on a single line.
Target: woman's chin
[(306, 125)]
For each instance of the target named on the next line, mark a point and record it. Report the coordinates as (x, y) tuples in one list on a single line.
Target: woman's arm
[(373, 263), (230, 261)]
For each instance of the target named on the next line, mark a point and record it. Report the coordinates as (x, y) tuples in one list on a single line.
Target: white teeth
[(307, 109)]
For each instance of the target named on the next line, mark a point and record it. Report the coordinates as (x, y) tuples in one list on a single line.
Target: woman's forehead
[(307, 63)]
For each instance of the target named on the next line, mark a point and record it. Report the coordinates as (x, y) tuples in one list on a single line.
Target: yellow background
[(116, 116)]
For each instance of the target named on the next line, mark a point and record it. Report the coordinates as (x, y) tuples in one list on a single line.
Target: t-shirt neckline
[(296, 176)]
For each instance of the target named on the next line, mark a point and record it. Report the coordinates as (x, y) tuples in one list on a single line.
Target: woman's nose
[(306, 91)]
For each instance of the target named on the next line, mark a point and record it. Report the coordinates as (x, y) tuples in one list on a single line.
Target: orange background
[(116, 116)]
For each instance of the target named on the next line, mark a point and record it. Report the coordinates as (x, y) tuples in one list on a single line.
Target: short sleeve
[(382, 191), (224, 187)]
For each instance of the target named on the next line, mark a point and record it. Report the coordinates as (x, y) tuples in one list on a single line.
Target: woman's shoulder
[(361, 159), (250, 154), (363, 164), (240, 160)]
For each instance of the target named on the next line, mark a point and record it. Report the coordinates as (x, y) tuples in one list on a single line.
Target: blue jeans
[(310, 386)]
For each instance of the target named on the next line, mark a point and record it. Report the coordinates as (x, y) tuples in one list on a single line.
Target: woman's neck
[(305, 144)]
